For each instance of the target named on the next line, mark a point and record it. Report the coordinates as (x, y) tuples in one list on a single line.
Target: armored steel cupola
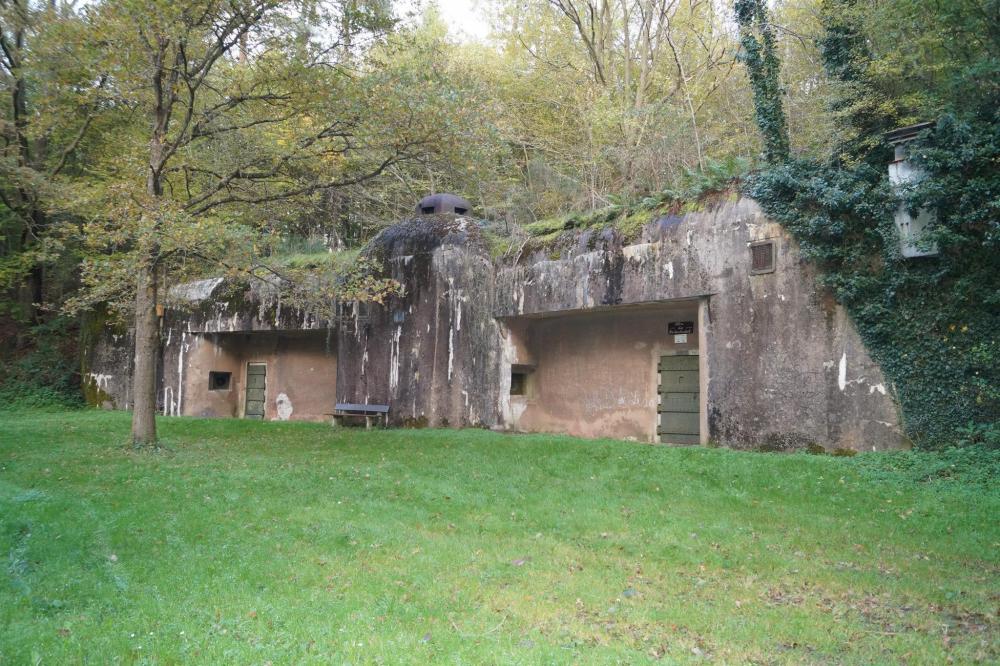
[(443, 203)]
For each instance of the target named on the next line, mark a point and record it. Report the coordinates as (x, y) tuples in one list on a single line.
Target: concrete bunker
[(628, 371), (270, 375), (708, 327), (432, 351)]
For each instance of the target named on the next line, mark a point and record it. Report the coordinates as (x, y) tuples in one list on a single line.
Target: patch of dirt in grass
[(653, 638), (588, 626), (972, 631), (957, 627), (881, 614), (783, 596)]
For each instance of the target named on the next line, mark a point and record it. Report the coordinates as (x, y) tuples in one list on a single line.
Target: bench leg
[(335, 421), (368, 423)]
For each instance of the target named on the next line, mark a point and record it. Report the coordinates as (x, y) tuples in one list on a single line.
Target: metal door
[(256, 387), (679, 420)]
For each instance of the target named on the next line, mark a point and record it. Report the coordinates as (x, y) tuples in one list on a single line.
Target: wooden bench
[(368, 412)]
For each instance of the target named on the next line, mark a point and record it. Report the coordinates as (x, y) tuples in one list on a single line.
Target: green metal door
[(679, 420), (256, 385)]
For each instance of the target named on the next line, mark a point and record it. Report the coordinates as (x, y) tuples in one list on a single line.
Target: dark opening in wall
[(761, 257), (350, 313), (518, 383), (461, 211), (427, 210), (219, 381)]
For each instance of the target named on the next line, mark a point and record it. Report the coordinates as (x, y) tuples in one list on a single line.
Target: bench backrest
[(362, 409)]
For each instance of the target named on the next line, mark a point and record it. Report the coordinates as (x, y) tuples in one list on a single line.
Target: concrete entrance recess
[(706, 327), (288, 375), (594, 374)]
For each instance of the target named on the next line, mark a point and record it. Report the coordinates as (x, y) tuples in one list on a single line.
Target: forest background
[(170, 141)]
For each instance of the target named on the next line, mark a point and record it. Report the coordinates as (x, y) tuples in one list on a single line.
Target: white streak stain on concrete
[(100, 380), (842, 372), (198, 290), (283, 406), (637, 251), (183, 347), (394, 359), (451, 351), (508, 419)]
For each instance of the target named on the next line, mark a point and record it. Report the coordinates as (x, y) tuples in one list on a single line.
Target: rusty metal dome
[(443, 203)]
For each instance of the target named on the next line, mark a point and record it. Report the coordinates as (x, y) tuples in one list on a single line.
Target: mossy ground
[(248, 542)]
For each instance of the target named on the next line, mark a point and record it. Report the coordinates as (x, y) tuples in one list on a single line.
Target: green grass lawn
[(248, 542)]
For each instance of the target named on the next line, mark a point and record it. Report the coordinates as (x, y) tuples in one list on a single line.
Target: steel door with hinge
[(679, 420), (256, 387)]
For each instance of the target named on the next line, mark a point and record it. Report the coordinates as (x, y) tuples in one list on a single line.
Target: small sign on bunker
[(680, 327)]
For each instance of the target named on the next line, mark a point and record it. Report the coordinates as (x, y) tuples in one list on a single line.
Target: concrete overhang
[(254, 328), (638, 306)]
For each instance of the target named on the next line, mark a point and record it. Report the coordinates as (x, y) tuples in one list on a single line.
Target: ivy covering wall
[(931, 322)]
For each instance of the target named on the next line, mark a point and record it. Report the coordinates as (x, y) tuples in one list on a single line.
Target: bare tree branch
[(398, 156)]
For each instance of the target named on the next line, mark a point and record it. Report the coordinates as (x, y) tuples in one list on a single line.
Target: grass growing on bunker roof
[(694, 190), (339, 260), (249, 542)]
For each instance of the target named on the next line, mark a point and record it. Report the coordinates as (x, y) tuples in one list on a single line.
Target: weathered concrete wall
[(216, 306), (301, 374), (781, 363), (214, 325), (784, 364), (185, 381), (433, 353), (106, 363), (594, 374)]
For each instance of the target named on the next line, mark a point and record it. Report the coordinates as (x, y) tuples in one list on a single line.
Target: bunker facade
[(709, 328)]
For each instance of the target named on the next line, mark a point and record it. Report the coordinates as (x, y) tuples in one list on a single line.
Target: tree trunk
[(147, 343), (147, 334)]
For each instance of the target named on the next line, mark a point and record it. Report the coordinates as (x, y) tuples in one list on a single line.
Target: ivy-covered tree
[(759, 52), (931, 322)]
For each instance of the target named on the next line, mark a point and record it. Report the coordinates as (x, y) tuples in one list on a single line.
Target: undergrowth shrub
[(43, 374), (970, 466)]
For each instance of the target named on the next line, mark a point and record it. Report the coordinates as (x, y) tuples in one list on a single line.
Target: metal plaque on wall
[(678, 327)]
